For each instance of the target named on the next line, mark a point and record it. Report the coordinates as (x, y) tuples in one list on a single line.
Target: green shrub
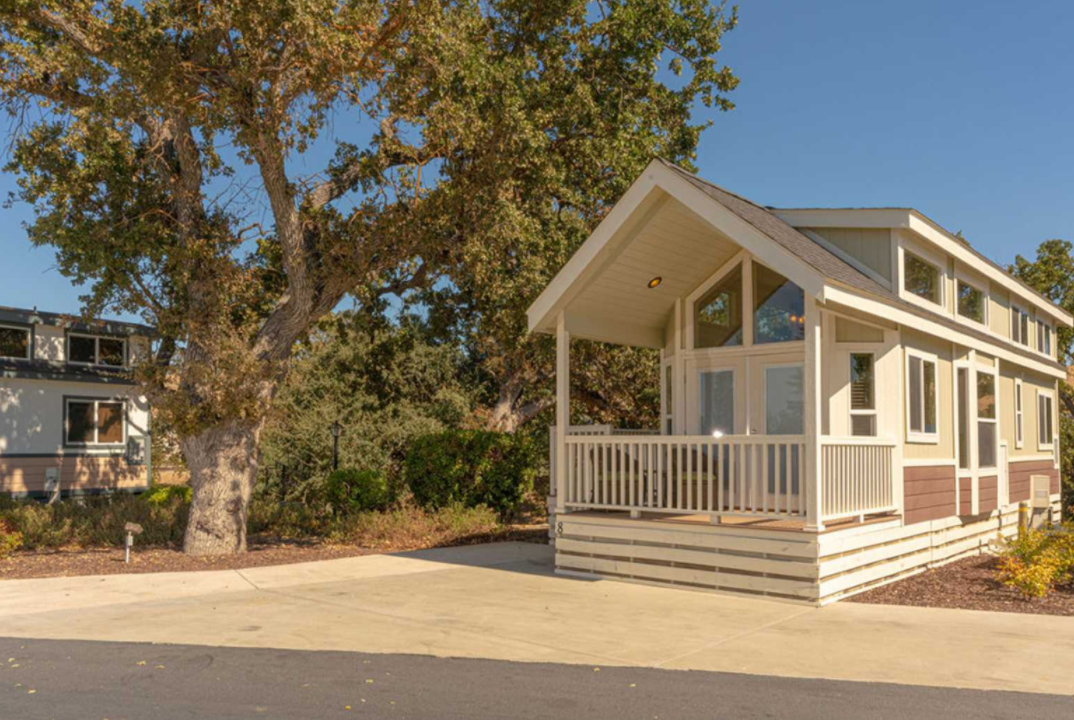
[(95, 521), (166, 494), (1036, 561), (350, 491), (471, 468), (10, 539)]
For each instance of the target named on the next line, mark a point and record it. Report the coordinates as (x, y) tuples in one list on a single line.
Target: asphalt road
[(78, 679)]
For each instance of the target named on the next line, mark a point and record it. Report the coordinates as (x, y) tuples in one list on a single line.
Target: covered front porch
[(778, 409)]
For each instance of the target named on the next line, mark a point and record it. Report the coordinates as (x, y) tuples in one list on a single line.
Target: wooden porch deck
[(738, 522)]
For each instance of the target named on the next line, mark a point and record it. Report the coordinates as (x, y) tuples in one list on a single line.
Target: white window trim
[(977, 419), (1050, 394), (941, 269), (961, 279), (96, 350), (95, 401), (1017, 311), (667, 409), (850, 401), (916, 436), (1019, 414), (29, 341)]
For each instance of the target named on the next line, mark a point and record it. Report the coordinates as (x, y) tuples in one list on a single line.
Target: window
[(987, 437), (784, 400), (14, 342), (94, 422), (778, 307), (96, 350), (1019, 326), (1045, 430), (717, 401), (1018, 417), (1044, 337), (971, 302), (923, 399), (718, 314), (862, 395), (921, 278)]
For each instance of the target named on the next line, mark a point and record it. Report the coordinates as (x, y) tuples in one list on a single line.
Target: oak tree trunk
[(223, 468)]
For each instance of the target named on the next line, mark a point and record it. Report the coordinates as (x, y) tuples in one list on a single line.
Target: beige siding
[(871, 247), (999, 317), (21, 474), (945, 448)]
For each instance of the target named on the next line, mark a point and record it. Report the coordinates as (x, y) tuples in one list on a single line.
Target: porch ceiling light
[(717, 434), (655, 281)]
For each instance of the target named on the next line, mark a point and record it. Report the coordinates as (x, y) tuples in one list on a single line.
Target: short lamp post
[(337, 430)]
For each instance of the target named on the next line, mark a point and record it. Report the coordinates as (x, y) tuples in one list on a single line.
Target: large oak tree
[(168, 148)]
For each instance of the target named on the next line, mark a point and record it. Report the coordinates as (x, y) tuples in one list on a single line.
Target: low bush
[(349, 491), (1036, 561), (165, 494), (94, 521), (10, 539), (471, 468), (409, 527)]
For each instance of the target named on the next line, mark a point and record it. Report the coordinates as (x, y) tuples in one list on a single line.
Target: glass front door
[(784, 400), (716, 402)]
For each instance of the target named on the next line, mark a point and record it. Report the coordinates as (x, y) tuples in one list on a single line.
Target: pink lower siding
[(928, 493), (965, 496), (988, 494), (1020, 473), (20, 474)]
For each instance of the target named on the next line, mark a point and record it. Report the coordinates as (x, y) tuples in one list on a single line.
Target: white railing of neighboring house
[(753, 475), (858, 477)]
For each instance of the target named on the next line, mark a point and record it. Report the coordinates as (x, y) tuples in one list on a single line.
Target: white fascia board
[(605, 243), (762, 247), (541, 314), (885, 310), (873, 218)]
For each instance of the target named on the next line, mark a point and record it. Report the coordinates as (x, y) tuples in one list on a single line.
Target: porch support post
[(563, 408), (813, 372)]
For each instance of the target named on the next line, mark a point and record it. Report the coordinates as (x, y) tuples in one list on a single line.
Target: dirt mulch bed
[(967, 584), (261, 552)]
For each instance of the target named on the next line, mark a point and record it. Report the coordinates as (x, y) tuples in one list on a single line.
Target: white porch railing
[(858, 476), (734, 475)]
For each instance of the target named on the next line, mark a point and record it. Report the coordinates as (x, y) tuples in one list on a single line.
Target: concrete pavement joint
[(724, 641)]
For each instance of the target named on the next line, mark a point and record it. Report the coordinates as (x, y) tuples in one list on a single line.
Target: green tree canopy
[(168, 149)]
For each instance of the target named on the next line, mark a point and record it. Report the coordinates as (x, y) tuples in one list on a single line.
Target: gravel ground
[(967, 584)]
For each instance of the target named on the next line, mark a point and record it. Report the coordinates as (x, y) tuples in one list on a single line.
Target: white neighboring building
[(69, 412)]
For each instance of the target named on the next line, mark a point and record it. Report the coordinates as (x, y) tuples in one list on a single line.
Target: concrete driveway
[(503, 602)]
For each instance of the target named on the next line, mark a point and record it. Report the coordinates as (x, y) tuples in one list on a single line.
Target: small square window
[(863, 425), (971, 302), (14, 342), (82, 349), (110, 352), (921, 278)]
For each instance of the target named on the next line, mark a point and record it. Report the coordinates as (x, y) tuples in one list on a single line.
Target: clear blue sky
[(963, 110)]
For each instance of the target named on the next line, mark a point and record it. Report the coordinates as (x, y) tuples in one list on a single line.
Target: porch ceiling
[(668, 241)]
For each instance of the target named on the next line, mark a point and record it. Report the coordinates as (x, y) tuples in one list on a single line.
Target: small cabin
[(847, 395)]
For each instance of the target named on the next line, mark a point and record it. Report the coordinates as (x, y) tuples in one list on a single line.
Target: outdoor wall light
[(717, 434), (655, 281)]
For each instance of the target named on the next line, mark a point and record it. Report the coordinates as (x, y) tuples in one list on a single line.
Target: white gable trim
[(632, 212)]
